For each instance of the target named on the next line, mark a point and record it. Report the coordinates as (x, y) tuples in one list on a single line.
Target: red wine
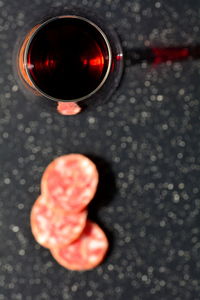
[(68, 58)]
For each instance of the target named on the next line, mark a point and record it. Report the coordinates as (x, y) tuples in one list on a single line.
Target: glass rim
[(109, 49)]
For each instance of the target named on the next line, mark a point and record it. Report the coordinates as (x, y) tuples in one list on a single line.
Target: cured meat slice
[(70, 181), (68, 108), (51, 226), (84, 253)]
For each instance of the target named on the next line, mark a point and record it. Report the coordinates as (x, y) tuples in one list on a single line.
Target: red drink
[(66, 58)]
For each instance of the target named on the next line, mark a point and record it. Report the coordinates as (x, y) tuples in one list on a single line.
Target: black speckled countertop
[(145, 141)]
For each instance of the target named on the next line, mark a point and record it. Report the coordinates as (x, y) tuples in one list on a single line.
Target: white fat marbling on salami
[(93, 258), (59, 167), (96, 244), (42, 239), (57, 191)]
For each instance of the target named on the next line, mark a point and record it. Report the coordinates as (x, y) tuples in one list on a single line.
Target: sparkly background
[(145, 141)]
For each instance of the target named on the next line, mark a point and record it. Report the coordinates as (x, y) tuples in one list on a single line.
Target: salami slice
[(68, 108), (84, 253), (70, 181), (52, 226)]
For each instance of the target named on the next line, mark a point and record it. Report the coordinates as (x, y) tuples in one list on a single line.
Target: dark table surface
[(145, 141)]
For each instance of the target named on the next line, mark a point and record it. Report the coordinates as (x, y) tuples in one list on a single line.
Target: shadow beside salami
[(105, 193)]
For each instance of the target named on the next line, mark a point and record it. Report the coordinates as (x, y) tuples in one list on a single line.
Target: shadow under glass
[(68, 58)]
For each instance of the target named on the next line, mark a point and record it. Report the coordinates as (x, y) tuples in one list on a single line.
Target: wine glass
[(73, 58)]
